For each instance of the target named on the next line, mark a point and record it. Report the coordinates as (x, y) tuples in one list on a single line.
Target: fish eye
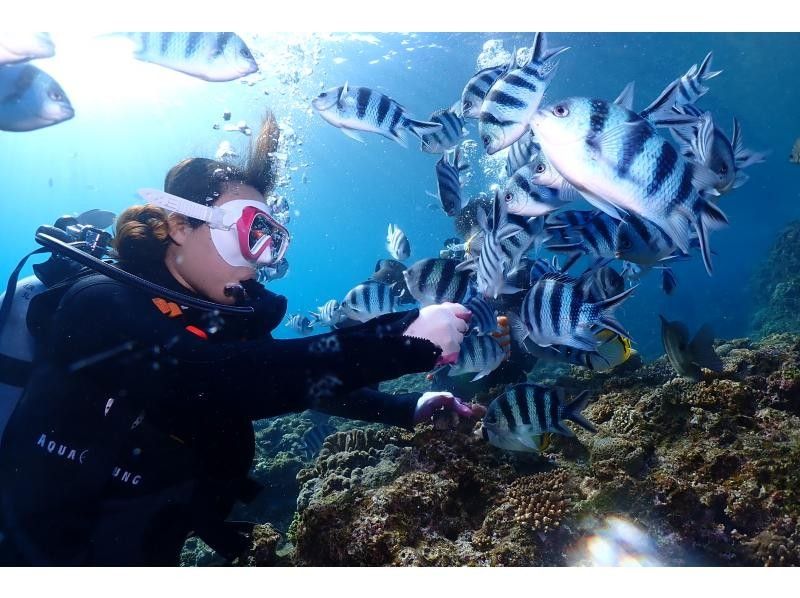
[(56, 95), (467, 105), (723, 169), (486, 140), (509, 197), (245, 52), (625, 243), (561, 110), (540, 168)]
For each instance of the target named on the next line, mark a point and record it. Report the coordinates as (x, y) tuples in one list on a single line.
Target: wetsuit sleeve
[(375, 406), (115, 336)]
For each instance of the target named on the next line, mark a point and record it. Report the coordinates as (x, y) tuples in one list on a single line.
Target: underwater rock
[(709, 470), (776, 286)]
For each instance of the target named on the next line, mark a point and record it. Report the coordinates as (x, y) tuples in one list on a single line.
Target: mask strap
[(173, 203)]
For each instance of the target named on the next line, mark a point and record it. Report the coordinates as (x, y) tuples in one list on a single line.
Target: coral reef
[(710, 470), (776, 286)]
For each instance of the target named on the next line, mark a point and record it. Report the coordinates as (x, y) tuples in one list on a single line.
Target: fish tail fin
[(573, 410), (707, 216), (742, 156), (702, 349), (607, 306), (421, 127)]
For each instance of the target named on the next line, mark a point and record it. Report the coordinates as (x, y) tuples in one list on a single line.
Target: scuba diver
[(134, 429)]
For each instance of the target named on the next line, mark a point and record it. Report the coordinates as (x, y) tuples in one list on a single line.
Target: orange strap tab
[(168, 308), (198, 332)]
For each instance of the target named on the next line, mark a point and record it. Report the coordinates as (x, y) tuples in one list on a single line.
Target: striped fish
[(596, 238), (708, 145), (20, 47), (569, 219), (397, 243), (478, 353), (682, 91), (493, 261), (484, 319), (515, 96), (516, 419), (363, 109), (435, 280), (521, 152), (612, 351), (540, 267), (477, 88), (529, 239), (556, 311), (329, 314), (619, 162), (448, 180), (525, 198), (607, 283), (368, 300), (206, 55), (300, 324), (30, 99), (451, 133), (314, 437), (641, 242)]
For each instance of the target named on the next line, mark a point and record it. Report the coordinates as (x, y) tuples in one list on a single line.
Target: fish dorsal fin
[(625, 98), (704, 138), (343, 93), (557, 277)]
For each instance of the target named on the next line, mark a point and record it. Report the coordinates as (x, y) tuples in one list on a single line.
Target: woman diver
[(135, 429)]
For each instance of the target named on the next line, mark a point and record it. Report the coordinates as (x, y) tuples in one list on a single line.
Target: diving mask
[(242, 230)]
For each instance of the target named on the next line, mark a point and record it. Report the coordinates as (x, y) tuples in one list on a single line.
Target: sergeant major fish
[(300, 324), (397, 243), (524, 198), (212, 56), (521, 152), (477, 88), (618, 161), (709, 146), (448, 136), (688, 357), (31, 99), (368, 300), (479, 355), (557, 311), (448, 181), (515, 96), (362, 109), (329, 314), (517, 419), (435, 280)]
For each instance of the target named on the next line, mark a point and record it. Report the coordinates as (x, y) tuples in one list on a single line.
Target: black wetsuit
[(135, 430)]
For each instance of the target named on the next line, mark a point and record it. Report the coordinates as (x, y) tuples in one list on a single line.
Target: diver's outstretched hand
[(431, 402), (444, 325)]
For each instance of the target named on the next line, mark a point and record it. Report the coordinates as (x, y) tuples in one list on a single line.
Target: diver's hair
[(202, 180), (142, 234)]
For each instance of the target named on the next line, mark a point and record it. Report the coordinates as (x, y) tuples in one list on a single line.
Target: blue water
[(134, 121)]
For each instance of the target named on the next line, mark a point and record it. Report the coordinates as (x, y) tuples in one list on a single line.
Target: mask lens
[(260, 231)]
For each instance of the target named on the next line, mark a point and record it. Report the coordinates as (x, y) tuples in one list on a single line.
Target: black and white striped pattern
[(451, 133), (625, 166), (483, 320), (397, 243), (556, 311), (523, 197), (207, 55), (515, 96), (300, 324), (681, 92), (641, 242), (477, 88), (435, 280), (355, 109), (478, 353), (448, 180), (521, 152), (329, 314), (368, 300), (596, 238), (516, 418)]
